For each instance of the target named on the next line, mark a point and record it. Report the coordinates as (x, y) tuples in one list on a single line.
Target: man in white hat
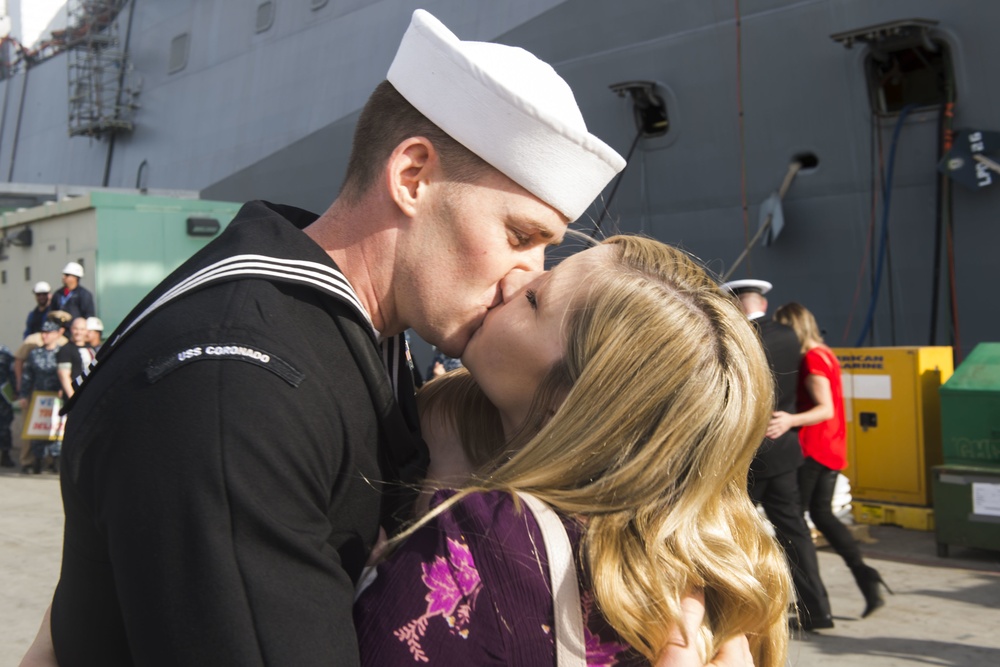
[(36, 316), (773, 481), (243, 434), (95, 332), (74, 298)]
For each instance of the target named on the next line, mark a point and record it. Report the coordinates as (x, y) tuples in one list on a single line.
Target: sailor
[(73, 298), (243, 433), (773, 480)]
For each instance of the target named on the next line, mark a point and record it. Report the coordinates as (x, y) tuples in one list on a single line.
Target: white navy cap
[(509, 108), (745, 285)]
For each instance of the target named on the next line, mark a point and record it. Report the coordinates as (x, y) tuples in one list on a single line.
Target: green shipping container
[(970, 410), (126, 242)]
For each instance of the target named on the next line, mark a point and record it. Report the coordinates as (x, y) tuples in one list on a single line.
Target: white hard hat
[(95, 324), (42, 287), (73, 269)]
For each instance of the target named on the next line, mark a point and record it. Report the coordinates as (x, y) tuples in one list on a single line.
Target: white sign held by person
[(42, 420)]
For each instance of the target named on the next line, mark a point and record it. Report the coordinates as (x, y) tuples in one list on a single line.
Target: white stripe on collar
[(322, 277)]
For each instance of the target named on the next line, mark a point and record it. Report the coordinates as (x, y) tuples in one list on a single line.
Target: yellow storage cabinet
[(893, 410)]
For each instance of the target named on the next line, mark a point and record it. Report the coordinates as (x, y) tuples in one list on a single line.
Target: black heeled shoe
[(799, 624), (869, 580)]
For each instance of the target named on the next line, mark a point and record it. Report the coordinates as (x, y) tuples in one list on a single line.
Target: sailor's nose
[(515, 281)]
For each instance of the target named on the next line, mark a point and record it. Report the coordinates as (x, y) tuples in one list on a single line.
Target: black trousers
[(779, 495), (816, 484)]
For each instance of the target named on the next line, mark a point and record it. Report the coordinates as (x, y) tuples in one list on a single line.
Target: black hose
[(877, 179), (938, 231), (886, 207), (17, 126), (614, 189)]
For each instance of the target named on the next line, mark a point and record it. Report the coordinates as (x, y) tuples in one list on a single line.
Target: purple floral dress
[(472, 588)]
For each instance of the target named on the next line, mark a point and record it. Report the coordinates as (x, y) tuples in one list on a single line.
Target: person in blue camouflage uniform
[(6, 409), (441, 364), (40, 375)]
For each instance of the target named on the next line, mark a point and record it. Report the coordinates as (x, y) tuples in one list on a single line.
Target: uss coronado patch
[(232, 351)]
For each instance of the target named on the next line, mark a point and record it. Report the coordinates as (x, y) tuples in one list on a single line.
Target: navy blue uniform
[(225, 461), (774, 478), (36, 318)]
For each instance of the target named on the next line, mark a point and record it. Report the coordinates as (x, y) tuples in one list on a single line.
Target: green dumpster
[(967, 487), (970, 410)]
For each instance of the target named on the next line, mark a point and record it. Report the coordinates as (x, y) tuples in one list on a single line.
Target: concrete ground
[(945, 611), (31, 524)]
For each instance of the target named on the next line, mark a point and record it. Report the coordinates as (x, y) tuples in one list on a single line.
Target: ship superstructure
[(825, 120)]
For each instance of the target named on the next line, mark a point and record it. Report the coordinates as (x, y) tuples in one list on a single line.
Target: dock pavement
[(945, 611)]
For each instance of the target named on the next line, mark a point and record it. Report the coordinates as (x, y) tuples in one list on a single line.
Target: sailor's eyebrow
[(534, 227)]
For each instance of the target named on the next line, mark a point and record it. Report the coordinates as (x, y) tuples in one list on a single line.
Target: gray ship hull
[(269, 114)]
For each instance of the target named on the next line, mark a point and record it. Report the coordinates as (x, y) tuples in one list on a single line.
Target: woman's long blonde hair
[(802, 322), (667, 396)]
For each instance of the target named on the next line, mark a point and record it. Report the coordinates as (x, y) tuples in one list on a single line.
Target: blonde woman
[(626, 392), (823, 436)]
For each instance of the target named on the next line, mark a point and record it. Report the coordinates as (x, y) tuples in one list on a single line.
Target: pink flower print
[(466, 573), (601, 654), (411, 633), (459, 623), (443, 592), (452, 587), (598, 654)]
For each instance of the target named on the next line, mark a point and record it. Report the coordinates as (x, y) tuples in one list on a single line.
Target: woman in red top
[(823, 436)]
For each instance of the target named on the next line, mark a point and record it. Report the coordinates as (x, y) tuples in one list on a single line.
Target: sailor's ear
[(410, 169)]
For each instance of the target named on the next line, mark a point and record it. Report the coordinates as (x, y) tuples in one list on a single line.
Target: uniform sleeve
[(213, 508), (469, 587)]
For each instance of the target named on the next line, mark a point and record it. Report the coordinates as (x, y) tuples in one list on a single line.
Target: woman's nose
[(515, 281)]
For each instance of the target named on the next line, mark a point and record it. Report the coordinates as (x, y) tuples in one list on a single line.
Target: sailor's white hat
[(509, 108), (744, 285)]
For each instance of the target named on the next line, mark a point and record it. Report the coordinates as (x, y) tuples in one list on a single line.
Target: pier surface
[(945, 611)]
